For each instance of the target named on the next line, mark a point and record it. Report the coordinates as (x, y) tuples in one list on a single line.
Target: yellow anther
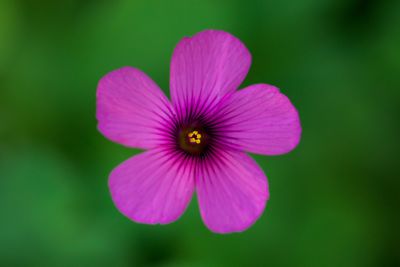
[(194, 137)]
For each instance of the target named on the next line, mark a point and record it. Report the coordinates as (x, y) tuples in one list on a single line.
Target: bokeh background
[(334, 200)]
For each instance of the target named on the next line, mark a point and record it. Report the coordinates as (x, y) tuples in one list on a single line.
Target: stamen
[(194, 137)]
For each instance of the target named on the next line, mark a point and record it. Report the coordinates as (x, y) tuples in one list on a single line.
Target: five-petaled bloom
[(197, 141)]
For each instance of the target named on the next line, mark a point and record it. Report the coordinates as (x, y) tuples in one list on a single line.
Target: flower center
[(194, 137)]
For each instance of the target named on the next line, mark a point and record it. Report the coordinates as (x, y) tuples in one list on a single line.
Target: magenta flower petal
[(204, 68), (131, 109), (153, 187), (232, 191), (258, 119)]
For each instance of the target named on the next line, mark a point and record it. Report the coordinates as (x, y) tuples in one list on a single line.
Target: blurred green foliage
[(334, 200)]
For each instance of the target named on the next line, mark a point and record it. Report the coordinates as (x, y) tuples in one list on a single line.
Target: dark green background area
[(334, 199)]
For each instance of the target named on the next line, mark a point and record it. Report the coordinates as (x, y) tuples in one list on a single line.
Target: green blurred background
[(334, 200)]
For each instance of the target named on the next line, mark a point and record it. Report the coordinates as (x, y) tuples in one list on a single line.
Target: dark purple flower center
[(194, 138), (194, 141)]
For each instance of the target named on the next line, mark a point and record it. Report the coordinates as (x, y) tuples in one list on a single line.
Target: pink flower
[(196, 141)]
